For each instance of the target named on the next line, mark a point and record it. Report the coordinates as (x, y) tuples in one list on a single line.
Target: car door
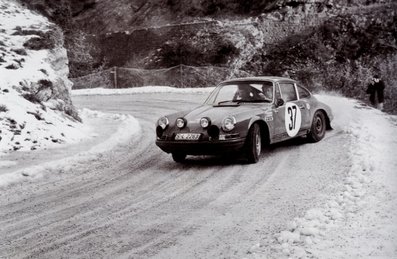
[(304, 105), (278, 116), (291, 115)]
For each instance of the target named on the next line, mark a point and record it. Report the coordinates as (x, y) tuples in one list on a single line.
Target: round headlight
[(205, 122), (180, 123), (228, 123), (163, 122)]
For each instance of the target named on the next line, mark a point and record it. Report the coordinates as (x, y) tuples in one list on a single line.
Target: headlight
[(205, 122), (229, 123), (163, 122), (180, 123)]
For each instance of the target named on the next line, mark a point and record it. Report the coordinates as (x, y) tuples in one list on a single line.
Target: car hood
[(218, 113)]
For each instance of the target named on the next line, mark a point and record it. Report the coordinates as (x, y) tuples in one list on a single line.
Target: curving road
[(135, 202)]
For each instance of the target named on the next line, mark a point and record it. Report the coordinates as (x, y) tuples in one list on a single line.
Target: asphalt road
[(135, 202)]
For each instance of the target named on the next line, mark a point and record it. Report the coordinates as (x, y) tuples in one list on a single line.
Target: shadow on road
[(224, 160)]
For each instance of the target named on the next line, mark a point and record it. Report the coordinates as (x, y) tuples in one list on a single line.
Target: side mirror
[(279, 102)]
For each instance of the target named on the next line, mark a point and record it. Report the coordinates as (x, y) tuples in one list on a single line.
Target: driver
[(267, 89)]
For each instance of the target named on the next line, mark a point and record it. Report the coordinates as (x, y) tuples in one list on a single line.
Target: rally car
[(242, 115)]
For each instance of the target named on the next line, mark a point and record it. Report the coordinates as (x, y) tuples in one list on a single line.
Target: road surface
[(135, 202)]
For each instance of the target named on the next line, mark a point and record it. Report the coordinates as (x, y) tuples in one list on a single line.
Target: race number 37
[(293, 119)]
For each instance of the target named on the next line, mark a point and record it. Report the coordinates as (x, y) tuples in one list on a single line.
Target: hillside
[(333, 45), (35, 106), (340, 54)]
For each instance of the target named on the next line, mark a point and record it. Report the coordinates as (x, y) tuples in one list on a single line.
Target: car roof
[(260, 78)]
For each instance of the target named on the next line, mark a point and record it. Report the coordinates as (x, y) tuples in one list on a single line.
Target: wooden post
[(114, 72), (181, 74), (115, 77)]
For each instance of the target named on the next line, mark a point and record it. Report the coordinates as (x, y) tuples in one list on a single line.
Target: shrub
[(3, 108), (19, 31), (48, 40), (37, 115), (31, 98), (38, 43), (12, 66), (44, 83), (19, 61), (216, 52), (21, 52), (43, 71)]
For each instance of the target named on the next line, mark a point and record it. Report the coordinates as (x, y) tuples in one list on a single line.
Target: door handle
[(302, 107)]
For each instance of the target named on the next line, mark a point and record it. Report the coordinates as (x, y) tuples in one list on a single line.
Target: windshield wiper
[(254, 101), (229, 101)]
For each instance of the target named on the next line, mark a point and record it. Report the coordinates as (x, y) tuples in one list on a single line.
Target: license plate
[(187, 136)]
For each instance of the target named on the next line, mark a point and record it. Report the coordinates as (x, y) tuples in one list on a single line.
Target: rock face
[(35, 104), (34, 61), (60, 97)]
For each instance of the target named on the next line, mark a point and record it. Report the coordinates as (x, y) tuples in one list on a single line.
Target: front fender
[(264, 126), (253, 120)]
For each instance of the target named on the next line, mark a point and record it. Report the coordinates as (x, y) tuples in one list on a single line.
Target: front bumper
[(201, 147)]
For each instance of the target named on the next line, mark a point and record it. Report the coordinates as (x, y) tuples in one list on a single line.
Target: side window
[(288, 92), (277, 92), (303, 93)]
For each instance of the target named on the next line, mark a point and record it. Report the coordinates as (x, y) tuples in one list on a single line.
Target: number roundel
[(293, 119)]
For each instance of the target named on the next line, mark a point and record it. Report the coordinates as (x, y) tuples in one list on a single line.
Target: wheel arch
[(327, 119), (264, 129)]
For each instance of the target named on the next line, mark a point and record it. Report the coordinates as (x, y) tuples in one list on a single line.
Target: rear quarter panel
[(316, 105)]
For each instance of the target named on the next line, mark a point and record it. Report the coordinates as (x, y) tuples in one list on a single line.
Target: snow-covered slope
[(35, 106)]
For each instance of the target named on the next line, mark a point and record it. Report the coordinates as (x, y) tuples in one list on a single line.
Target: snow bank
[(359, 221), (140, 90), (128, 127)]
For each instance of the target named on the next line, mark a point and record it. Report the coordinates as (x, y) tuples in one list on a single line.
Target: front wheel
[(178, 157), (317, 131), (253, 144)]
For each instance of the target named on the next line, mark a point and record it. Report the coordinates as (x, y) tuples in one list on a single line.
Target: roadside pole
[(114, 72), (181, 74)]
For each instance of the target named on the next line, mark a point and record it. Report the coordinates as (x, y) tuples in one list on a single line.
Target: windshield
[(240, 92)]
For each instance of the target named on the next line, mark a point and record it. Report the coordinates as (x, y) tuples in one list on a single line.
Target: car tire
[(317, 130), (253, 144), (178, 157)]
